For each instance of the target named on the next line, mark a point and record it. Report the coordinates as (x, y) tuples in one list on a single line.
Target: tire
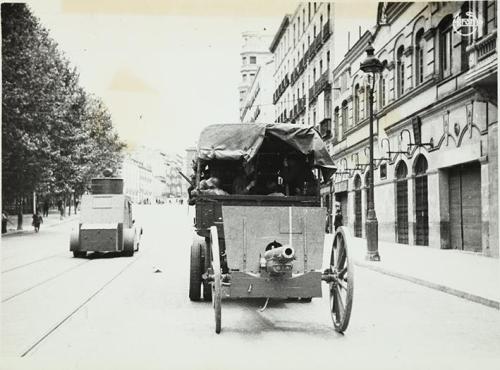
[(342, 286), (217, 282), (195, 273), (128, 242), (79, 254)]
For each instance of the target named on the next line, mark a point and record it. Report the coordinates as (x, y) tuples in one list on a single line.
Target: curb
[(455, 292)]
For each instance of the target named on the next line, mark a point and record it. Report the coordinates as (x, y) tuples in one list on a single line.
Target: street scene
[(231, 185)]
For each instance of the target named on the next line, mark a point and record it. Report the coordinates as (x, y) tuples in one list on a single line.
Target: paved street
[(103, 313)]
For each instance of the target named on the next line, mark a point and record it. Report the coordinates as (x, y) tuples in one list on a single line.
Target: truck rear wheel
[(128, 242), (79, 254), (195, 273)]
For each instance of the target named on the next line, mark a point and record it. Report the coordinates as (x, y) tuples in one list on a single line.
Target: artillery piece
[(266, 244)]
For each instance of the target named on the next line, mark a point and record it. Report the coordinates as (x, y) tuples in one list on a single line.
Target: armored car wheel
[(342, 284), (216, 283), (128, 242), (79, 254), (195, 272)]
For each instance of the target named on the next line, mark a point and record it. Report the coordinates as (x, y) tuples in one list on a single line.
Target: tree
[(54, 135)]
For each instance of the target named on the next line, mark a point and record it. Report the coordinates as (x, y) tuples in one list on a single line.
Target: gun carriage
[(265, 239)]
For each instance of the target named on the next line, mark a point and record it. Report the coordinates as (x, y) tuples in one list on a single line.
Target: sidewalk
[(466, 275), (53, 219)]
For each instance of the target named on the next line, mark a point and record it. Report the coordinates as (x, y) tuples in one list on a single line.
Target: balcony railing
[(320, 85), (281, 89), (486, 46), (326, 31)]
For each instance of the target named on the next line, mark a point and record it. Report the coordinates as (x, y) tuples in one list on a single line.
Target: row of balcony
[(283, 117), (298, 109), (313, 49), (322, 84), (281, 88)]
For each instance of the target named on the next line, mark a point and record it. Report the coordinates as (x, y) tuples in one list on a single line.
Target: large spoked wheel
[(216, 283), (342, 284)]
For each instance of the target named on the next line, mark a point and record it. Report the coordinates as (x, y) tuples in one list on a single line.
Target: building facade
[(303, 49), (257, 105), (435, 130), (254, 54)]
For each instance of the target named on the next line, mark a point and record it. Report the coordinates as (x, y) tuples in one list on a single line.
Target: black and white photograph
[(229, 184)]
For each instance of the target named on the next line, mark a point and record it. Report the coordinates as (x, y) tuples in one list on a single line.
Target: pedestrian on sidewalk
[(60, 208), (5, 219), (338, 219), (46, 208), (37, 220)]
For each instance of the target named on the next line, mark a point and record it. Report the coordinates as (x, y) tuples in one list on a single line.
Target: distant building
[(257, 105), (151, 176), (254, 54)]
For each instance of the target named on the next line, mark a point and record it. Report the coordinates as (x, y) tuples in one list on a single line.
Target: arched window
[(419, 57), (336, 123), (400, 70), (345, 114), (401, 203), (401, 170), (446, 46), (421, 202), (356, 103)]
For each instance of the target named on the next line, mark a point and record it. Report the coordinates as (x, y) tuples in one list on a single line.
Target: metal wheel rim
[(341, 288), (216, 284)]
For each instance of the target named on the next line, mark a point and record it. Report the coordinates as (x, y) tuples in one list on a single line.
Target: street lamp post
[(371, 65)]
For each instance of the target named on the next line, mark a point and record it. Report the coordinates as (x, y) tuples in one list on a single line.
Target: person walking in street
[(37, 220), (338, 219), (5, 219)]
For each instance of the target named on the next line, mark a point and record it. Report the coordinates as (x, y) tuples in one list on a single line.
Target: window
[(356, 103), (345, 114), (298, 27), (320, 67), (309, 12), (244, 60), (315, 7), (252, 74), (314, 31), (381, 91), (321, 20), (419, 57), (328, 59), (490, 19), (383, 170), (328, 11), (465, 40), (400, 70), (336, 122), (244, 78), (304, 20), (445, 46), (253, 60)]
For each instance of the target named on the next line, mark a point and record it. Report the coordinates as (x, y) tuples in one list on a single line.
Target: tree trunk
[(69, 205), (64, 206), (19, 214)]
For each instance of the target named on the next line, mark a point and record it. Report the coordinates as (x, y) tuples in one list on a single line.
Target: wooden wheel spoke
[(342, 283), (342, 272), (341, 259), (340, 303)]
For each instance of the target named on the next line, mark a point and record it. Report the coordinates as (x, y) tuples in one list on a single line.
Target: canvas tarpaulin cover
[(242, 142)]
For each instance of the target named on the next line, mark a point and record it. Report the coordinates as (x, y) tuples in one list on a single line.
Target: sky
[(165, 69)]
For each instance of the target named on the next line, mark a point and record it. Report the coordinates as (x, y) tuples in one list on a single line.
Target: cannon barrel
[(282, 254)]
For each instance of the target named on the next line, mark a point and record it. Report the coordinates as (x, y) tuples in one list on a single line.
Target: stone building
[(257, 105), (302, 50), (254, 54), (435, 130)]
